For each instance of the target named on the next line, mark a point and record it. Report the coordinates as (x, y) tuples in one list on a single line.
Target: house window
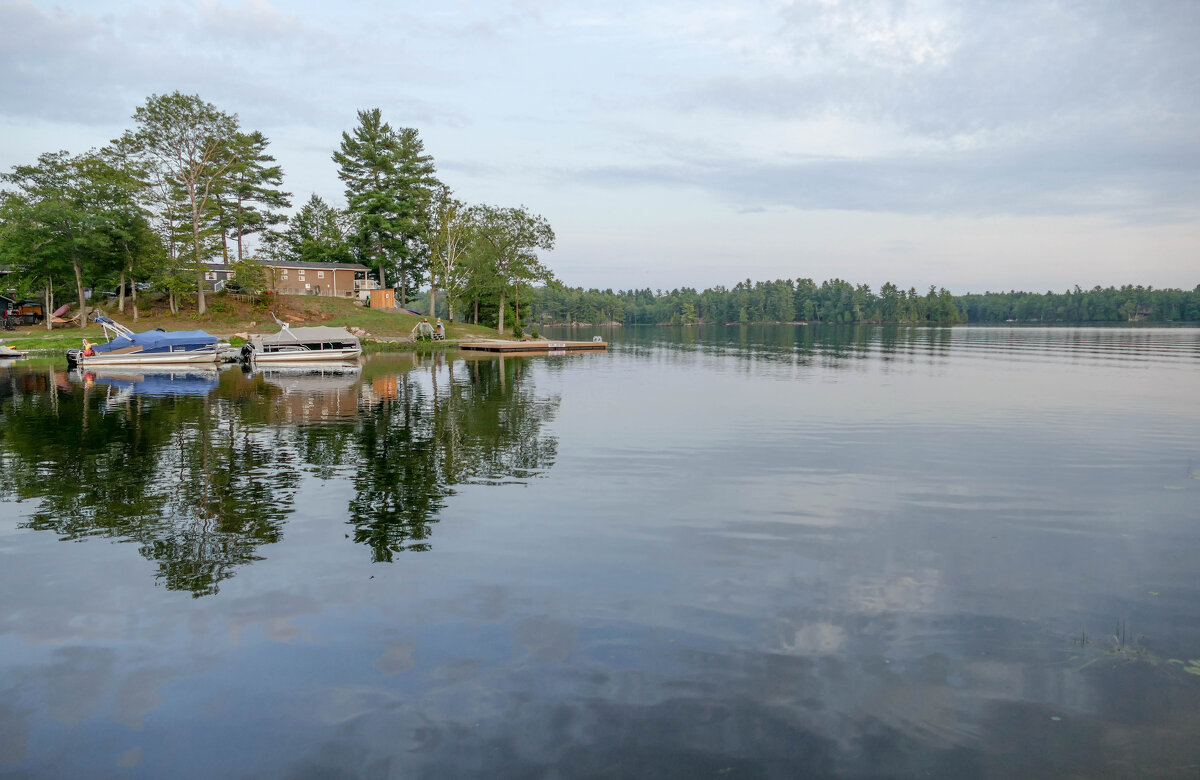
[(308, 286), (320, 274), (210, 276), (285, 274)]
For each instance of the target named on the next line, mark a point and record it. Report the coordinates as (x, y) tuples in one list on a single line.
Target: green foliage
[(504, 254), (517, 330), (188, 147), (70, 219), (837, 301), (388, 180), (317, 233), (249, 275), (249, 197)]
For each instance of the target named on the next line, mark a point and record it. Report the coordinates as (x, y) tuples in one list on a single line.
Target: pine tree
[(388, 178)]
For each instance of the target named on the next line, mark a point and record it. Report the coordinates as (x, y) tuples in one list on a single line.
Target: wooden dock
[(533, 347)]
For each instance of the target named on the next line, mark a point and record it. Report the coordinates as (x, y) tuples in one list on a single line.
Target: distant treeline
[(838, 301)]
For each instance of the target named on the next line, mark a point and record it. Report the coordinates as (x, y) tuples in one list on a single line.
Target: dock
[(539, 346)]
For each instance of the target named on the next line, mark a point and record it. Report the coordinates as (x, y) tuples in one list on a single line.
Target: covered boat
[(127, 348), (303, 345)]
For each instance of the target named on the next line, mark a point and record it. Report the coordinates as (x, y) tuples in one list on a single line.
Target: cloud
[(272, 66), (976, 109), (1137, 179)]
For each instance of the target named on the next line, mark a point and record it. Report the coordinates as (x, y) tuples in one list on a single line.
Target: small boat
[(124, 347), (7, 352), (302, 345)]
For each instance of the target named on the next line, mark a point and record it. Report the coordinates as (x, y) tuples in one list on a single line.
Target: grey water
[(728, 552)]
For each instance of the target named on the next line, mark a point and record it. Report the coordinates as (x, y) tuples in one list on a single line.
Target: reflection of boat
[(125, 347), (314, 392), (292, 345), (311, 377), (189, 381)]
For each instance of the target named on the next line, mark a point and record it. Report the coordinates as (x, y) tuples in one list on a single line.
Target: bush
[(220, 306), (518, 331), (533, 333)]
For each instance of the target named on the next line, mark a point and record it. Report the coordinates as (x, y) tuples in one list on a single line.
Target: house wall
[(312, 281)]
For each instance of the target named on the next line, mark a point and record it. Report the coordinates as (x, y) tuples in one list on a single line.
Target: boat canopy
[(158, 340), (314, 335)]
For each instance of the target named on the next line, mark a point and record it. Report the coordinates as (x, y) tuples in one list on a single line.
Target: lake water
[(721, 552)]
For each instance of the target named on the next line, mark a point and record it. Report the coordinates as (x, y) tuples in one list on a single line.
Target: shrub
[(518, 331)]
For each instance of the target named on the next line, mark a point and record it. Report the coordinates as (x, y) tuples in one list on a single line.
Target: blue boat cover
[(157, 340)]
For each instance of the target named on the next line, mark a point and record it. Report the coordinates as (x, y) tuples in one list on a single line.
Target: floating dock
[(553, 347)]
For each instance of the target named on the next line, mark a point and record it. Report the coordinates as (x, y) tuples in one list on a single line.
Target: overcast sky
[(972, 145)]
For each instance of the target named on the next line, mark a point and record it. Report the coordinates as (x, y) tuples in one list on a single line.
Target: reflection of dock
[(506, 347)]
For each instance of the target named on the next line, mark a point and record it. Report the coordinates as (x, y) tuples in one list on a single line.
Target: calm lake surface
[(721, 552)]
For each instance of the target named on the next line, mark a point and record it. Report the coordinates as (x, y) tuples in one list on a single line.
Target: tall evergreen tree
[(388, 178), (317, 233), (255, 188)]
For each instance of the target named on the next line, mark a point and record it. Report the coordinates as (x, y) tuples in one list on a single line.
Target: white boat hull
[(305, 355), (153, 358)]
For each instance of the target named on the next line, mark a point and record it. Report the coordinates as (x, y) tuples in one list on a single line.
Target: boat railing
[(113, 329)]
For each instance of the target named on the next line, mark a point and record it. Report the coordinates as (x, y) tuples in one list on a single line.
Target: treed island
[(145, 220)]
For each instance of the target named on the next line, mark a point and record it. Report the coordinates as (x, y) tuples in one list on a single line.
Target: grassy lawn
[(228, 315)]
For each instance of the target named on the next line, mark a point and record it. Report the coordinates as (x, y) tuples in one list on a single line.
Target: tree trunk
[(500, 319), (517, 304), (121, 295), (201, 307), (83, 312), (239, 226), (133, 297), (432, 295), (476, 310), (49, 305), (403, 282)]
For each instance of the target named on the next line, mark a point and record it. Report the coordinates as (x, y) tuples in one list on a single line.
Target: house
[(216, 276), (341, 280)]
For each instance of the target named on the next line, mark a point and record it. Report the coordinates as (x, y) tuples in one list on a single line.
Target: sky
[(971, 145)]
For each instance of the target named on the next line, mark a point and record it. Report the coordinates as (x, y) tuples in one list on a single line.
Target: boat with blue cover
[(126, 348)]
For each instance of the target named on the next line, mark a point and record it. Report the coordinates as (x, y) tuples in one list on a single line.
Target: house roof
[(313, 266), (290, 264)]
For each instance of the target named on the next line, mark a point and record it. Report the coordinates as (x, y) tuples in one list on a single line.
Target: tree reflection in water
[(200, 482)]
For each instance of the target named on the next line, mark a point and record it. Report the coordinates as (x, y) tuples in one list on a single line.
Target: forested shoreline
[(188, 186), (837, 301)]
